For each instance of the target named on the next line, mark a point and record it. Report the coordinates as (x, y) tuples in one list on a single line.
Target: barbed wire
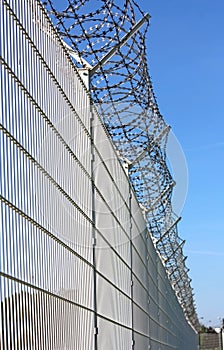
[(122, 90)]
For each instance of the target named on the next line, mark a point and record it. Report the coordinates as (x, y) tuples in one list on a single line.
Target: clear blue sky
[(186, 61)]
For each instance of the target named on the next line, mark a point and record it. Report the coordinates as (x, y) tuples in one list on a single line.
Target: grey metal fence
[(78, 269)]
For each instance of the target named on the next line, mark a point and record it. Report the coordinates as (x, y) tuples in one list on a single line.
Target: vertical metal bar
[(131, 264), (93, 228)]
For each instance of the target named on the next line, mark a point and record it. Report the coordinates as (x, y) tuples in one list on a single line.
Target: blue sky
[(186, 61)]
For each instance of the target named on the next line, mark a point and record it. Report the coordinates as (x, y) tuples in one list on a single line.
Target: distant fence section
[(210, 341), (78, 268)]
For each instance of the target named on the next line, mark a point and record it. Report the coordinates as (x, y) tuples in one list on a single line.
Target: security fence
[(78, 267), (210, 341)]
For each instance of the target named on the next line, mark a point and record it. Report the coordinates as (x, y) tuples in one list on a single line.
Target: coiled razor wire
[(121, 88)]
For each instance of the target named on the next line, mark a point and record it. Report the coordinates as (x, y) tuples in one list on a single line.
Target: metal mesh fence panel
[(78, 269)]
